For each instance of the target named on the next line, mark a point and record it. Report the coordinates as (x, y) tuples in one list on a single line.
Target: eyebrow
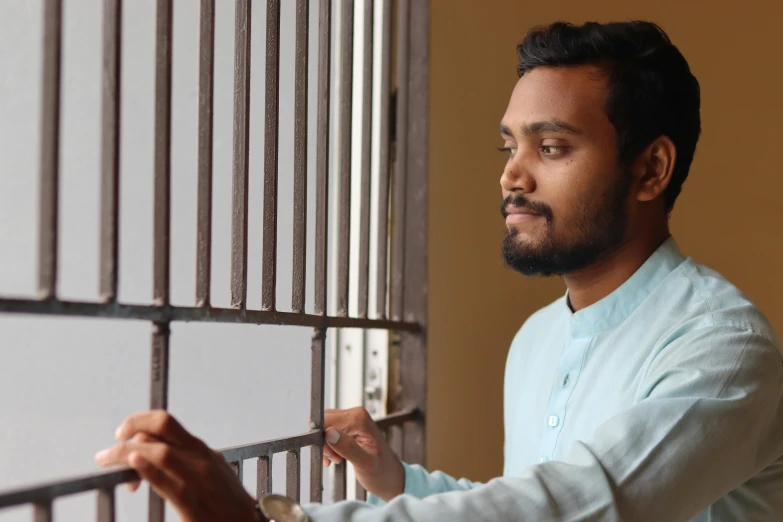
[(539, 127)]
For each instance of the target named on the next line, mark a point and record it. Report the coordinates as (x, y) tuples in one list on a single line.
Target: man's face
[(564, 195)]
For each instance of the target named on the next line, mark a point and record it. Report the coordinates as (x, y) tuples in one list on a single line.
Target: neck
[(591, 284)]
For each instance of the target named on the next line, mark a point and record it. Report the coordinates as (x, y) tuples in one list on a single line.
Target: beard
[(594, 232)]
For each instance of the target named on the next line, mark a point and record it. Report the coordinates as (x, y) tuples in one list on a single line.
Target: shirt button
[(543, 459), (554, 420), (566, 379)]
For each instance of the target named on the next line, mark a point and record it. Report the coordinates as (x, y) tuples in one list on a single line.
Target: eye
[(552, 150), (508, 150)]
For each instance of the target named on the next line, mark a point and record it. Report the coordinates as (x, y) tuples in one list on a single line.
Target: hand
[(195, 479), (352, 435)]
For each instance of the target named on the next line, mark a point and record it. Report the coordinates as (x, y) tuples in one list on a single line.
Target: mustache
[(521, 202)]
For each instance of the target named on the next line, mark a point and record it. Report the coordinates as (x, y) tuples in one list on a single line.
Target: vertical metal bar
[(401, 161), (206, 86), (361, 493), (293, 469), (317, 411), (162, 152), (346, 107), (413, 352), (300, 155), (110, 147), (322, 155), (339, 487), (269, 267), (384, 162), (264, 474), (238, 468), (241, 155), (106, 505), (159, 380), (364, 228), (42, 512), (50, 149)]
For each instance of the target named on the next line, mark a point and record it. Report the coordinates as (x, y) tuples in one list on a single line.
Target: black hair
[(651, 90)]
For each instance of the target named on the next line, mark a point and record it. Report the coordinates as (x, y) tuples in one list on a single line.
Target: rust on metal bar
[(344, 187), (300, 155), (163, 314), (293, 473), (317, 366), (339, 488), (106, 505), (264, 476), (413, 347), (46, 493), (384, 163), (269, 255), (364, 221), (241, 155), (43, 512), (401, 162), (162, 140), (206, 94), (322, 155), (50, 148), (110, 148)]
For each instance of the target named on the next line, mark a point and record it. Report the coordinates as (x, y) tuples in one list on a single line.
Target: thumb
[(345, 446)]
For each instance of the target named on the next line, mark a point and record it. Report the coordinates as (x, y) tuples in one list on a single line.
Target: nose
[(516, 178)]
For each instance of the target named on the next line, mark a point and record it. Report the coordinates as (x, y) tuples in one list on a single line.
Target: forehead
[(575, 95)]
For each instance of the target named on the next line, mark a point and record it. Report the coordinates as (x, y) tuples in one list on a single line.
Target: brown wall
[(729, 216)]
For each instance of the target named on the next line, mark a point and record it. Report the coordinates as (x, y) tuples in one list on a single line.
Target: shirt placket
[(568, 371)]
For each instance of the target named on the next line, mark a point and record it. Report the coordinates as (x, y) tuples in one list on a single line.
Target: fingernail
[(101, 456), (332, 436)]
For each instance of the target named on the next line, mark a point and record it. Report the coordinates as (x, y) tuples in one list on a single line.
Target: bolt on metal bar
[(339, 489), (401, 160), (364, 225), (346, 115), (162, 197), (269, 255), (50, 149), (110, 148), (300, 155), (43, 512), (317, 366), (264, 473), (241, 155), (384, 162), (106, 505), (322, 155), (293, 469), (206, 94)]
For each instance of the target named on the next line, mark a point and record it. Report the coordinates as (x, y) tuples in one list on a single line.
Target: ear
[(654, 167)]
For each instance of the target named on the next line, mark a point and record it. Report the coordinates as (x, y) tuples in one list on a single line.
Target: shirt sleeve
[(707, 419), (420, 484)]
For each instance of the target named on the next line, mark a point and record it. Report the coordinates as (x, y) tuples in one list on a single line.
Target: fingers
[(159, 454), (158, 423), (167, 486), (345, 446), (143, 438), (330, 456)]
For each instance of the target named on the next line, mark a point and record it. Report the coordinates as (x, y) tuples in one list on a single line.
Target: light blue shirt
[(660, 403)]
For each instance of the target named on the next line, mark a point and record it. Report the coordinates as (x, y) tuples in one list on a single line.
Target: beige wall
[(729, 216)]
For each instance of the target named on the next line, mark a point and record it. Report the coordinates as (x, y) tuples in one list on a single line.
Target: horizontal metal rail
[(48, 492), (162, 314)]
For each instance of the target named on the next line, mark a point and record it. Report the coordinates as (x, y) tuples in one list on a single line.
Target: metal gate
[(402, 212)]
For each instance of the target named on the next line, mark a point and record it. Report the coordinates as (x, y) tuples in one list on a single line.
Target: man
[(650, 392)]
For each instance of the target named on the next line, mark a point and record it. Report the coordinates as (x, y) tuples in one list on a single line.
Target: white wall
[(65, 384)]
